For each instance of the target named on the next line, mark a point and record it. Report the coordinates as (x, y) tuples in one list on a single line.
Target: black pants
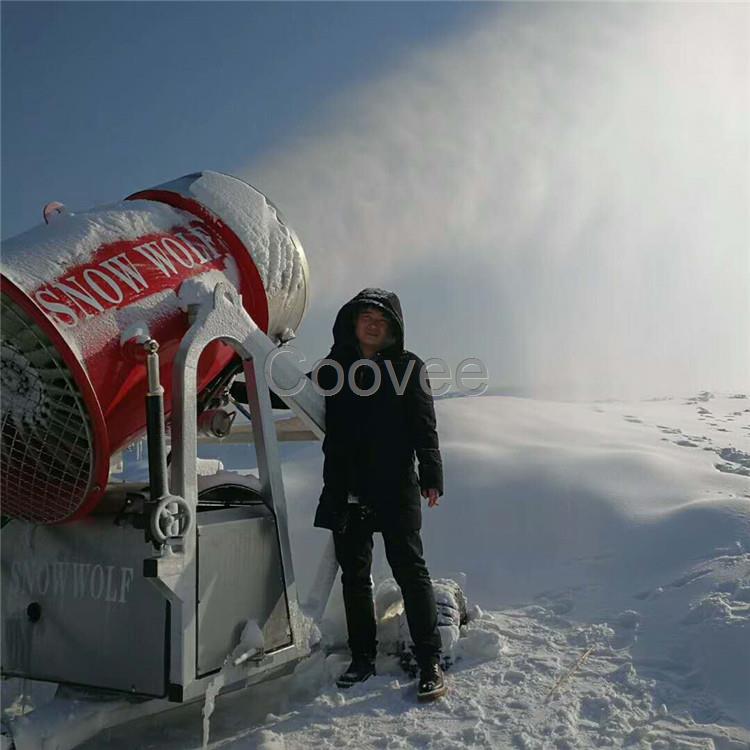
[(404, 552)]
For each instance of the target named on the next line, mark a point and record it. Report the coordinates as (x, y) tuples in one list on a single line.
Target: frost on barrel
[(71, 396)]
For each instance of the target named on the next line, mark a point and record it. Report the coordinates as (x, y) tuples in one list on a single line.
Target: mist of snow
[(562, 190)]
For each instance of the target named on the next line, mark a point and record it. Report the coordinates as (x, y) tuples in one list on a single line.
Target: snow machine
[(131, 598)]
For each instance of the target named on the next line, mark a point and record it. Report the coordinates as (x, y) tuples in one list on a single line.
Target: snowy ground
[(607, 551)]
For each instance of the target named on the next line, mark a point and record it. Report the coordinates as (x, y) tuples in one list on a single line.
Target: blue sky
[(559, 189), (101, 99)]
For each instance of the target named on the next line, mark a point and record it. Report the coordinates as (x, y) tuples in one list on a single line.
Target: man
[(369, 482)]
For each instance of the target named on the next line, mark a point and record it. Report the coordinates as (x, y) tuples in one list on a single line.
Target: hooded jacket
[(371, 441)]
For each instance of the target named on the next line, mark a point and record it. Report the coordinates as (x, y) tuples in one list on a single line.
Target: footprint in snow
[(735, 462), (733, 469), (669, 430), (735, 456), (702, 396), (714, 607)]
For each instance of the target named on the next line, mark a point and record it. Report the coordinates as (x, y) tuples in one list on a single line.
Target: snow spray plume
[(576, 175)]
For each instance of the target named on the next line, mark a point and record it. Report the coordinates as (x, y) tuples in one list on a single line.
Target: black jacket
[(371, 441)]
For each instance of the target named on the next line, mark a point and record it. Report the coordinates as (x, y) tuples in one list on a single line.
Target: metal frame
[(174, 573)]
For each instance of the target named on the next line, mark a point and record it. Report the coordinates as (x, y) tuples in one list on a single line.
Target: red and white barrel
[(73, 289)]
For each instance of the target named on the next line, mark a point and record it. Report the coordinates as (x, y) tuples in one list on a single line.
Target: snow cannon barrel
[(75, 290)]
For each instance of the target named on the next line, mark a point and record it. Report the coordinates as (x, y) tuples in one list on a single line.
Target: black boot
[(431, 682), (359, 670)]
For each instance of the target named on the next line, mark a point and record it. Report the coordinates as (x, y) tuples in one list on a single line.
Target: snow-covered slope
[(625, 526), (609, 538)]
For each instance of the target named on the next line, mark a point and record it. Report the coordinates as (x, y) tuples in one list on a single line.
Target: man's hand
[(432, 497)]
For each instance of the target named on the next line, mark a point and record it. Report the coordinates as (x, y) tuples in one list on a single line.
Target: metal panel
[(239, 579), (175, 576), (100, 624)]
